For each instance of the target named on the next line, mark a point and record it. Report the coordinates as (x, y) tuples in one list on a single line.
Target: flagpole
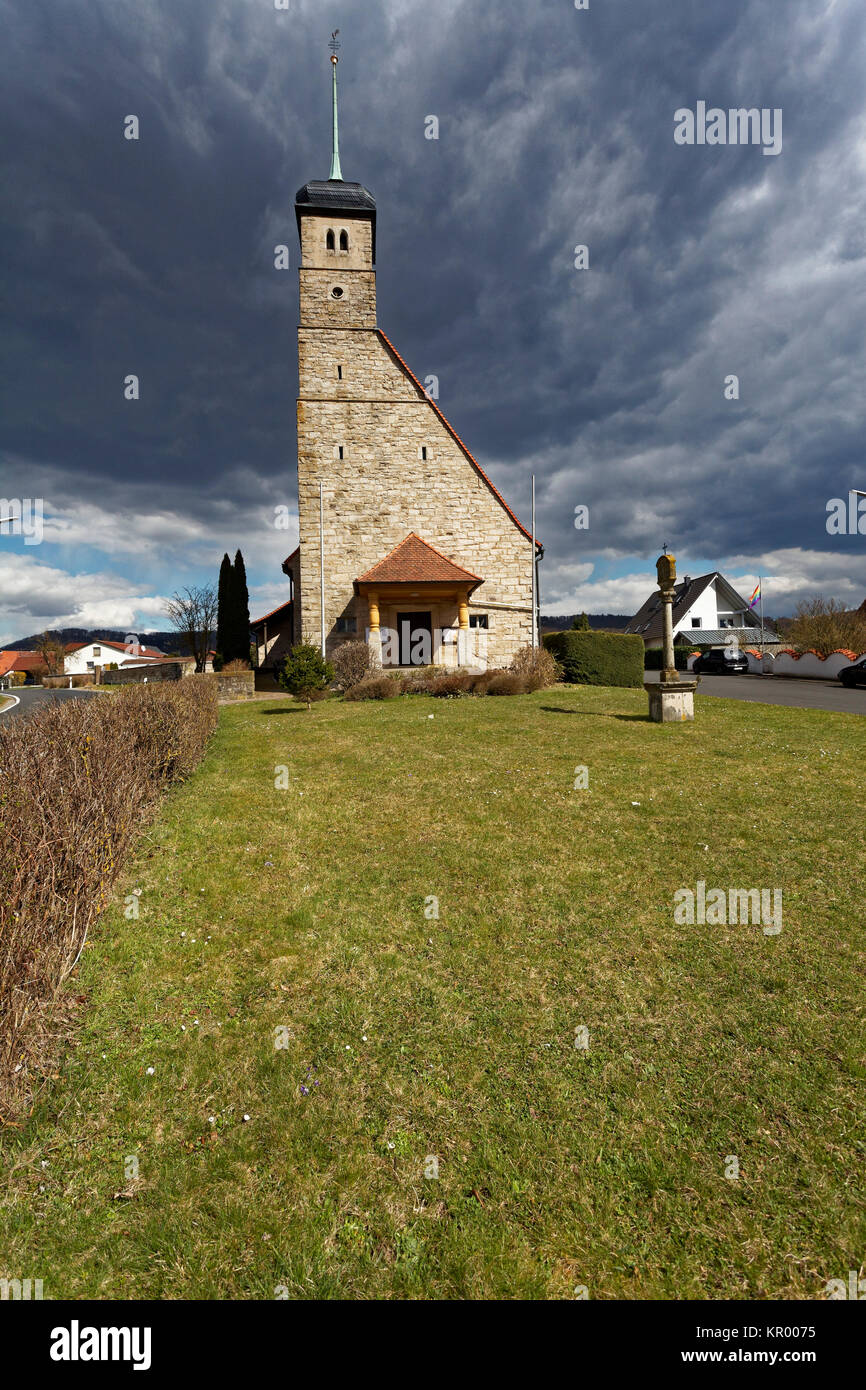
[(761, 597), (322, 565), (533, 563)]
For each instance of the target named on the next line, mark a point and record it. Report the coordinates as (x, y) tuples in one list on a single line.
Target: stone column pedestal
[(671, 702)]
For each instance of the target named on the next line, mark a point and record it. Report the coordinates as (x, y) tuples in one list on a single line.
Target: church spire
[(336, 171)]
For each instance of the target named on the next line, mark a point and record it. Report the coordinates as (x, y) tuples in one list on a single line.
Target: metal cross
[(333, 45)]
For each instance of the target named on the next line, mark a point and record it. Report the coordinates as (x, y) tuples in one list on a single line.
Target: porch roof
[(415, 561)]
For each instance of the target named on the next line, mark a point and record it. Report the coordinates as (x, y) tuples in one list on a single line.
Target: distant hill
[(614, 621), (168, 642)]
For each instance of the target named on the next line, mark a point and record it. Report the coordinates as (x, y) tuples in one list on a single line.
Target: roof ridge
[(451, 430)]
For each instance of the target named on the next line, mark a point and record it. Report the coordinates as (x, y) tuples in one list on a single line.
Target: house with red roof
[(30, 663), (405, 541), (81, 658)]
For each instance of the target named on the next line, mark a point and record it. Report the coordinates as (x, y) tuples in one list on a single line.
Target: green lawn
[(303, 910)]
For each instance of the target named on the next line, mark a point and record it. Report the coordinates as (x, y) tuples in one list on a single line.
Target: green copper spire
[(336, 171)]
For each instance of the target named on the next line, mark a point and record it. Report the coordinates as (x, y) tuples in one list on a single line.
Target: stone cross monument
[(671, 700)]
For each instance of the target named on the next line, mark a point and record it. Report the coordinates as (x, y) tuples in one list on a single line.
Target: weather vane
[(334, 45)]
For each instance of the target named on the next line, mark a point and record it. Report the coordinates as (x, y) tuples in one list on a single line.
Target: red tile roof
[(19, 661), (414, 561), (455, 436)]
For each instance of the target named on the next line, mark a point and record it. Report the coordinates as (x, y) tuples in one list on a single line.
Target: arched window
[(344, 241), (329, 241)]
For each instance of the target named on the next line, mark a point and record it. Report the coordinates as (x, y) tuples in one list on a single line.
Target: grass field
[(287, 966)]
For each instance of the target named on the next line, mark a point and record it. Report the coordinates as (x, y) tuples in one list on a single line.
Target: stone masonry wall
[(320, 309), (381, 490)]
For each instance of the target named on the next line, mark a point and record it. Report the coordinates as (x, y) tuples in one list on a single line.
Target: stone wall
[(132, 675), (314, 236), (319, 308), (240, 685)]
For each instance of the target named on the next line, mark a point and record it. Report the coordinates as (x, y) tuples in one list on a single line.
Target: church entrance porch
[(418, 607)]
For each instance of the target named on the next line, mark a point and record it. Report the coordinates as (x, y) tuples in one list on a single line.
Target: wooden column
[(463, 630), (374, 640)]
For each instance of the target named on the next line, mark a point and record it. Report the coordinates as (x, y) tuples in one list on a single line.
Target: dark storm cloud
[(556, 128)]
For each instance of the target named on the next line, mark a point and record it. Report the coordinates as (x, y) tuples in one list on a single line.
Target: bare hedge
[(530, 670), (76, 781)]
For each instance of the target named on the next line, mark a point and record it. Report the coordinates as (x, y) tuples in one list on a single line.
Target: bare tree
[(824, 626), (193, 613), (51, 651)]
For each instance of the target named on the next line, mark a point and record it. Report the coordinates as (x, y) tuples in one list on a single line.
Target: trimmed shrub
[(506, 683), (352, 662), (419, 680), (451, 684), (653, 659), (77, 779), (539, 668), (481, 680), (598, 657), (374, 688)]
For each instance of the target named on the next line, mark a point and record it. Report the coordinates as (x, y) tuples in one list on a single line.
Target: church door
[(415, 632)]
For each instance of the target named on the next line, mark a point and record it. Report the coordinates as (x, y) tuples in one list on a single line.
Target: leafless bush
[(419, 680), (506, 683), (76, 781), (539, 668), (374, 688), (452, 683), (481, 680), (352, 663)]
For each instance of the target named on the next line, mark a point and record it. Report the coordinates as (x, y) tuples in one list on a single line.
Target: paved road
[(31, 697), (783, 690)]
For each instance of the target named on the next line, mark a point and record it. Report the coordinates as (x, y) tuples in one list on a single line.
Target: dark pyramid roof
[(335, 195)]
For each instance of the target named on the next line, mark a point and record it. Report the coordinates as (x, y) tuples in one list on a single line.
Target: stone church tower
[(404, 540)]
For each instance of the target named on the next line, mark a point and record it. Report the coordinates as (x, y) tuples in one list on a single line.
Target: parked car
[(854, 675), (721, 661)]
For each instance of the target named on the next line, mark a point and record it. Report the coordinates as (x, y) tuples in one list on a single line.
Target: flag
[(756, 595)]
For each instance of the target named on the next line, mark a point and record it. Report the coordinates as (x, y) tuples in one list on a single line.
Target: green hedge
[(653, 659), (598, 658)]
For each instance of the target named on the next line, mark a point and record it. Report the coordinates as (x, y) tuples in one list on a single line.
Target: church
[(405, 542)]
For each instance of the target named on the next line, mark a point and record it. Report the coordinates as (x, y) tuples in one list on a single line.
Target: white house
[(705, 610), (83, 657)]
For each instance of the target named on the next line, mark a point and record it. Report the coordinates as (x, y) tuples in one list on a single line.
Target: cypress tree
[(224, 596), (240, 611)]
